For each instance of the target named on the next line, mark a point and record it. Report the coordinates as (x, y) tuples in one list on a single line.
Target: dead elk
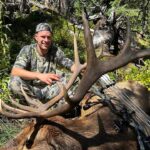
[(94, 131)]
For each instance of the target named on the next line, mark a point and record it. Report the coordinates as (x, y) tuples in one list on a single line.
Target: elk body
[(93, 131)]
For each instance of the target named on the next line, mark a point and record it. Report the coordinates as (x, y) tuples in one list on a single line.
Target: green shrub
[(141, 74), (4, 92), (8, 129), (4, 51)]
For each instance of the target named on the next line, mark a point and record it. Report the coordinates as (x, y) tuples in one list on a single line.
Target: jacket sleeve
[(62, 60), (23, 58)]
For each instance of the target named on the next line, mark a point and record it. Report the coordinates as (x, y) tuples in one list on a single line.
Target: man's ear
[(35, 36)]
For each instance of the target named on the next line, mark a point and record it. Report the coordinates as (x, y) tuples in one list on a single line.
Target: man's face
[(44, 40)]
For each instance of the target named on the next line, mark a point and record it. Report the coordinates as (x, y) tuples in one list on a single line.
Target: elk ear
[(111, 19)]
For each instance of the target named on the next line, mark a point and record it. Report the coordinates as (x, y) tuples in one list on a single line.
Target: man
[(35, 66)]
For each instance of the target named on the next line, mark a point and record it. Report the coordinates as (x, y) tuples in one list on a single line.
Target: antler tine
[(61, 108), (91, 71), (91, 56), (55, 99), (12, 112), (78, 66), (22, 107), (7, 107), (76, 54), (41, 112), (27, 111), (30, 100), (128, 38)]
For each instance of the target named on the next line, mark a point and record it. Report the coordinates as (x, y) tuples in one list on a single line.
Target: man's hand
[(73, 68), (48, 78)]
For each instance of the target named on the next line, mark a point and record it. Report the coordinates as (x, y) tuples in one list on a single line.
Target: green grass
[(8, 129)]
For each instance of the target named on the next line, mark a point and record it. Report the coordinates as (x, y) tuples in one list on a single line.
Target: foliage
[(143, 42), (138, 13), (137, 10), (8, 129), (4, 92), (4, 51), (141, 74)]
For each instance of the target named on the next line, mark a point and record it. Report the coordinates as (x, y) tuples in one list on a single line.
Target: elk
[(94, 131)]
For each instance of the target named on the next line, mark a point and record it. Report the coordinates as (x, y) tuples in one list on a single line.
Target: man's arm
[(66, 62), (25, 74), (22, 61), (29, 75), (63, 60)]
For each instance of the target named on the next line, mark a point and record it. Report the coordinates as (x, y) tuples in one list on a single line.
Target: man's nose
[(47, 39)]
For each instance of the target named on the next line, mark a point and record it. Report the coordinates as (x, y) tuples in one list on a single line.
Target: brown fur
[(92, 132)]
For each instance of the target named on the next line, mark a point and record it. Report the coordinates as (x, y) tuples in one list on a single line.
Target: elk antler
[(22, 111), (95, 69), (37, 108)]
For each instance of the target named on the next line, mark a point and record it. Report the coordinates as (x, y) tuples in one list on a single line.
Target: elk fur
[(92, 132)]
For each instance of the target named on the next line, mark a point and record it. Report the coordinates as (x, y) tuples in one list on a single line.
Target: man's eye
[(44, 37)]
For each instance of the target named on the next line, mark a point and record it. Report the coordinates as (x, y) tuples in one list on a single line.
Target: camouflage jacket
[(30, 59)]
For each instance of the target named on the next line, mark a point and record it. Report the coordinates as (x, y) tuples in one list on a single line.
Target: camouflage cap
[(43, 27)]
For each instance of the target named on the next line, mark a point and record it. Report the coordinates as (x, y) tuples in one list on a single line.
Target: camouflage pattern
[(43, 27), (29, 59)]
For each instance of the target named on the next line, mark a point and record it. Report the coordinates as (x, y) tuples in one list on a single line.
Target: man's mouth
[(45, 45)]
